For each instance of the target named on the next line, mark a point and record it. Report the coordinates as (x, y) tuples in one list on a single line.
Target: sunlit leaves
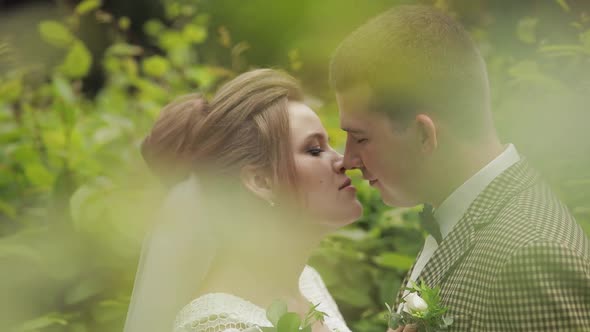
[(39, 175), (87, 6), (153, 27), (275, 311), (394, 260), (11, 89), (529, 72), (43, 322), (284, 321), (124, 23), (55, 33), (84, 290), (585, 40), (170, 40), (63, 89), (155, 66), (289, 322), (194, 34), (124, 49), (78, 61), (526, 30), (563, 4)]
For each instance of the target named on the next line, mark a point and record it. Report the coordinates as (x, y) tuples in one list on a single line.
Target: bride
[(254, 186)]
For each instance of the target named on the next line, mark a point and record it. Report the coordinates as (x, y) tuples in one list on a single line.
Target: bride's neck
[(262, 265)]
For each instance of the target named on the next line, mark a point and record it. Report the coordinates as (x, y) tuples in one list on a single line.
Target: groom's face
[(387, 153)]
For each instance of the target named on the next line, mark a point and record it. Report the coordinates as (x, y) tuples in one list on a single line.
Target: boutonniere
[(284, 321), (421, 307)]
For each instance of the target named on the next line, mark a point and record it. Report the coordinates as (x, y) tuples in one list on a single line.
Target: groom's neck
[(459, 164)]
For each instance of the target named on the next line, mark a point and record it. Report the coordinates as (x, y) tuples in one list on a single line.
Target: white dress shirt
[(454, 207)]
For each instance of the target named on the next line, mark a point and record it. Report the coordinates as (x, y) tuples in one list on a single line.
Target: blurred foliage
[(70, 167)]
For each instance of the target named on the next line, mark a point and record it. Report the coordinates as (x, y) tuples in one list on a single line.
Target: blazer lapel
[(402, 288), (482, 211)]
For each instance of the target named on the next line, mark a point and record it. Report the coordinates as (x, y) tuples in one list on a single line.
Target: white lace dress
[(221, 312)]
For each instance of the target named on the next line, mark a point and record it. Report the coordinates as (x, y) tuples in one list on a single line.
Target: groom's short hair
[(417, 59)]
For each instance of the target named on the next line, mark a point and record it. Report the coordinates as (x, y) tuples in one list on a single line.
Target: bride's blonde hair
[(245, 124)]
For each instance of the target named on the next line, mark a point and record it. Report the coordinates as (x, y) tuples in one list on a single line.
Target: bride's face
[(325, 190)]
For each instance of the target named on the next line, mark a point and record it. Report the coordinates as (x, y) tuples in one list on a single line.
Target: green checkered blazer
[(516, 261)]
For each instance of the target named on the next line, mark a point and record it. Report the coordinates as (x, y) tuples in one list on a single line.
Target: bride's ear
[(427, 133), (257, 182)]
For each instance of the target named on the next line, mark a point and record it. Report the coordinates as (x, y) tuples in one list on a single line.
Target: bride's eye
[(362, 140), (315, 151)]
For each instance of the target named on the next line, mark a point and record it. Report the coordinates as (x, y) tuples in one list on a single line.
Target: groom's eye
[(361, 140)]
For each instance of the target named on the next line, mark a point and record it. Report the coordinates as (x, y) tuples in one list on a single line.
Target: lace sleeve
[(219, 312), (213, 324), (313, 288)]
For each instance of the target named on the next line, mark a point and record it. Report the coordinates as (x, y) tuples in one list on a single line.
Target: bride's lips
[(372, 182), (346, 184)]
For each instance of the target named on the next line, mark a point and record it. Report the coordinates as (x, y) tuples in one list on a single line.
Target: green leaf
[(10, 132), (275, 311), (7, 209), (42, 322), (585, 39), (106, 135), (153, 27), (106, 313), (155, 66), (89, 202), (123, 49), (526, 30), (23, 252), (39, 175), (78, 61), (84, 290), (63, 88), (87, 6), (124, 23), (563, 4), (395, 321), (169, 40), (55, 33), (78, 201), (11, 90), (394, 260), (194, 33), (289, 322), (358, 298)]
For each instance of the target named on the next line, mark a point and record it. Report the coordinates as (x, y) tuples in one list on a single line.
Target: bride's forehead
[(301, 116)]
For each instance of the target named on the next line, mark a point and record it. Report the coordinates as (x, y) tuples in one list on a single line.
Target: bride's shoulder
[(219, 312)]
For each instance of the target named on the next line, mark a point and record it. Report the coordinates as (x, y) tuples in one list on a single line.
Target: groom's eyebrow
[(353, 131)]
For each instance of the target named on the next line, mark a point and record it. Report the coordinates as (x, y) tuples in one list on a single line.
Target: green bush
[(73, 198)]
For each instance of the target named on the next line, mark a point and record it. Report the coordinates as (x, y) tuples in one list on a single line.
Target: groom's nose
[(351, 160)]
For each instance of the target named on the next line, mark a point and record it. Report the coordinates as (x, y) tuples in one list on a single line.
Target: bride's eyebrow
[(318, 136)]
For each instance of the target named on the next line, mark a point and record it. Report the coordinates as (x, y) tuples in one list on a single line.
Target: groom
[(414, 99)]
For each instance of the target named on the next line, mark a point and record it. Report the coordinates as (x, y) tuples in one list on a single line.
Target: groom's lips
[(372, 182)]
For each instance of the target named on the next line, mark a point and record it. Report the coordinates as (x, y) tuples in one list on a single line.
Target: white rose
[(414, 303)]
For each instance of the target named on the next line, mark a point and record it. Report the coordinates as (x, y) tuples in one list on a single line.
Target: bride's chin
[(349, 213)]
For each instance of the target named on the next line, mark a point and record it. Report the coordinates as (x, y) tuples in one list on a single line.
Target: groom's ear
[(426, 133), (257, 182)]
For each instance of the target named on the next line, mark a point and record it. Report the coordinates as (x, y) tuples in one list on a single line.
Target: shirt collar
[(454, 207)]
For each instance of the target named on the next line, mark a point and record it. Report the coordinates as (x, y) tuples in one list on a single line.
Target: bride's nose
[(338, 163)]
